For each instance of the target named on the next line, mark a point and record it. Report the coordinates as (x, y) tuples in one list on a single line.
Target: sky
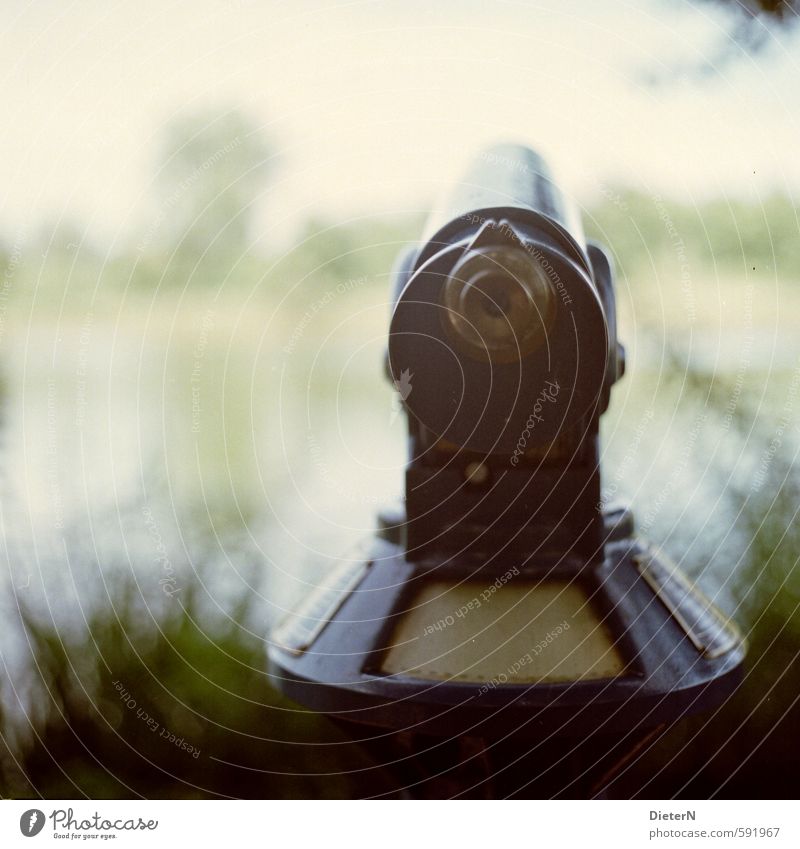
[(374, 106)]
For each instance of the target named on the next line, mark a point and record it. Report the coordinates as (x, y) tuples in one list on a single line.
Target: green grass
[(175, 707)]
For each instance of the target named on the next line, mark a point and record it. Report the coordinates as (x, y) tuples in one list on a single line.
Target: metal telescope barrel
[(506, 176), (500, 303)]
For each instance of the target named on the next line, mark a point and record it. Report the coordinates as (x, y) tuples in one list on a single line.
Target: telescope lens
[(499, 304)]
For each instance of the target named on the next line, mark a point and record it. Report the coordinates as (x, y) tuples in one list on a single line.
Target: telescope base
[(559, 661)]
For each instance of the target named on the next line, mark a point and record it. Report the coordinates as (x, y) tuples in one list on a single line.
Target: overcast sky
[(374, 104)]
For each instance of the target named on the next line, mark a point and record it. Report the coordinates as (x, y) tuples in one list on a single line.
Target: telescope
[(502, 607)]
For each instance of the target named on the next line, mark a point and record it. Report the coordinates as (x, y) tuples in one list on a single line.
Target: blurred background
[(200, 207)]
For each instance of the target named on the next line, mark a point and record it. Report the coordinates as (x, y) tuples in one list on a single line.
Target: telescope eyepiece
[(499, 304)]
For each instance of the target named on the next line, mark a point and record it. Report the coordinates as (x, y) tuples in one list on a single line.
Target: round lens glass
[(499, 304)]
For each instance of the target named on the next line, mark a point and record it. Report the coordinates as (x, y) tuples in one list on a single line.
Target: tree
[(213, 167)]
